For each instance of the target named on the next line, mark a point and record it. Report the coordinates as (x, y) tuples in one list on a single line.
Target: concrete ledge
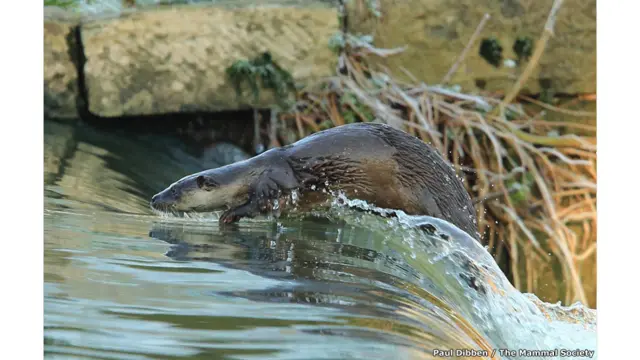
[(60, 74), (174, 59)]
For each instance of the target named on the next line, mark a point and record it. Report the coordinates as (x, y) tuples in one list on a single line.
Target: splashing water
[(511, 320)]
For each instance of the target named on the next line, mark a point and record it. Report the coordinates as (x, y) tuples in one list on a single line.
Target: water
[(124, 283)]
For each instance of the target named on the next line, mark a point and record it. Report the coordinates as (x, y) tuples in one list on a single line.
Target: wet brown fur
[(398, 171)]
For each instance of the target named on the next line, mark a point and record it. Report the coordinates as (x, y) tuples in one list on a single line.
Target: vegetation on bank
[(261, 72)]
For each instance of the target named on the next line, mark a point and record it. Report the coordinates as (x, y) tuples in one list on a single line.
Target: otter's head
[(204, 191)]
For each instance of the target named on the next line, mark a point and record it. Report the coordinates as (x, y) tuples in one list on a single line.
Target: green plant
[(491, 51), (523, 47), (261, 72), (520, 191), (61, 3), (354, 110)]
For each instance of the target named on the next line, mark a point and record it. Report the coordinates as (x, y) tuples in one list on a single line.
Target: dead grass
[(534, 179)]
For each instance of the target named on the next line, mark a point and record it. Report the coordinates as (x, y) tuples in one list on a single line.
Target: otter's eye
[(206, 182), (200, 181), (173, 191)]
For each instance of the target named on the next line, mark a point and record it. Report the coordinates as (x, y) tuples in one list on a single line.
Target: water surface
[(124, 283)]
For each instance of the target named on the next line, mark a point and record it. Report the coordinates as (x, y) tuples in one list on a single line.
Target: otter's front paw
[(229, 217), (250, 209)]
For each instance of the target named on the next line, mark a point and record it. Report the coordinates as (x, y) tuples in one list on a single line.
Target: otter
[(368, 161)]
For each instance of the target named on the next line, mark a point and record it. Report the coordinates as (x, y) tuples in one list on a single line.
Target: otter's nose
[(153, 200)]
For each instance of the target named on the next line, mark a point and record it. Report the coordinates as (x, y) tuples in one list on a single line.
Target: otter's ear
[(205, 182)]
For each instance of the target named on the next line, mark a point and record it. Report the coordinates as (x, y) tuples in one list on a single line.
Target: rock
[(437, 31), (170, 60), (60, 73)]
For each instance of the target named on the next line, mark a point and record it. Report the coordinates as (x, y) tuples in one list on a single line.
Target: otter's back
[(357, 141), (419, 168)]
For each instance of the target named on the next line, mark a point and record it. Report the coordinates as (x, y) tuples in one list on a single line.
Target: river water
[(121, 282)]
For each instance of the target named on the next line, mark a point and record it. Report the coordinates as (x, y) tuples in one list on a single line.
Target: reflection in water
[(344, 267), (121, 282)]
